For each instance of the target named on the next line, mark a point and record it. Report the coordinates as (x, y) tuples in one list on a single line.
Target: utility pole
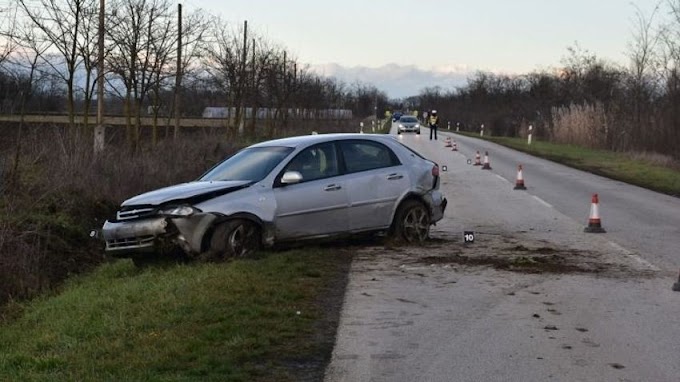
[(285, 89), (253, 103), (178, 75), (100, 130), (243, 78)]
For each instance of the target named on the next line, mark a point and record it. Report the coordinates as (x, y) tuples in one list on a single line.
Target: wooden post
[(100, 130), (178, 74)]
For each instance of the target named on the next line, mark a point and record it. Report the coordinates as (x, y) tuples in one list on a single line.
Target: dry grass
[(582, 125), (656, 159)]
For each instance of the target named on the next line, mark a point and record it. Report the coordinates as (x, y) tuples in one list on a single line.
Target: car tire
[(398, 131), (235, 238), (411, 222), (418, 132)]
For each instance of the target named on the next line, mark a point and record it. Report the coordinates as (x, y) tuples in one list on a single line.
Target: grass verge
[(618, 166), (267, 319)]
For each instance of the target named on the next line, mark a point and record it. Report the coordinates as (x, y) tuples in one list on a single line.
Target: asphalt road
[(415, 314), (643, 221)]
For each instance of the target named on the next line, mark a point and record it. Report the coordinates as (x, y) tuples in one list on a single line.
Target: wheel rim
[(241, 240), (416, 225)]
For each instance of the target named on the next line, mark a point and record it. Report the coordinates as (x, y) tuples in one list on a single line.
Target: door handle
[(332, 187), (394, 176)]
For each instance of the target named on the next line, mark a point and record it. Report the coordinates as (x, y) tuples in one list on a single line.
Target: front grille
[(138, 212), (141, 241)]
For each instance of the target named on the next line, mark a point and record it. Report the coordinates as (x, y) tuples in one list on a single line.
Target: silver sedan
[(408, 123), (291, 189)]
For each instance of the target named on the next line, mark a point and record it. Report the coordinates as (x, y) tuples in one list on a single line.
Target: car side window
[(366, 155), (316, 162)]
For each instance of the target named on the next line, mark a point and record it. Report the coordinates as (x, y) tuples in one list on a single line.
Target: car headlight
[(400, 125), (416, 126), (179, 211)]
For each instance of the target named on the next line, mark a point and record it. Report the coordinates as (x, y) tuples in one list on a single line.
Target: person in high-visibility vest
[(434, 124)]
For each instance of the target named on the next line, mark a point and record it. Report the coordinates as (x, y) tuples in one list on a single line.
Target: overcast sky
[(439, 36)]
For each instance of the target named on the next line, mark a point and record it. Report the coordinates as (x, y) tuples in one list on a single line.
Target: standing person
[(434, 124)]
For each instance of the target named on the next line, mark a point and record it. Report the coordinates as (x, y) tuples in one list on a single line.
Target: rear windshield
[(414, 151)]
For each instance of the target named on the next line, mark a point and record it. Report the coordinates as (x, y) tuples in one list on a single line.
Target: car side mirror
[(291, 177)]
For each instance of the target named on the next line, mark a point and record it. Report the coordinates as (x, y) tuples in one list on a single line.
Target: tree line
[(587, 100), (158, 60)]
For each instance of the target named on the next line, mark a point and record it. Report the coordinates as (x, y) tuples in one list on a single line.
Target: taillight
[(435, 170)]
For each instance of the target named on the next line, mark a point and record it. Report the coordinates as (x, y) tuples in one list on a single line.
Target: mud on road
[(511, 253)]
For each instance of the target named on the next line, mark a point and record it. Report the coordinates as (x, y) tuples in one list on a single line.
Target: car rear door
[(376, 180), (317, 206)]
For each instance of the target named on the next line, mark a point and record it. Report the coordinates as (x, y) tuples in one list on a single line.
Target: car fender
[(267, 227), (410, 195), (256, 204), (192, 231)]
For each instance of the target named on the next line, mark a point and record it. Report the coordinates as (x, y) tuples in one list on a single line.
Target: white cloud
[(398, 81)]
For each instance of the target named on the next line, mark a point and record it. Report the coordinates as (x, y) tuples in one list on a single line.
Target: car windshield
[(249, 164), (408, 119)]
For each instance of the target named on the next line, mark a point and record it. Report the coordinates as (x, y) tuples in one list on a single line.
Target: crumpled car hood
[(186, 192)]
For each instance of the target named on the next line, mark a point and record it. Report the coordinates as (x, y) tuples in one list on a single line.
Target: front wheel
[(235, 238), (412, 222)]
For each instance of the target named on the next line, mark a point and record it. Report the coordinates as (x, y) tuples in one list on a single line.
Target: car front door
[(376, 180), (316, 206)]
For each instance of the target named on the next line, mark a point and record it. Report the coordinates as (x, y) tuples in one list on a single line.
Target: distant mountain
[(398, 81)]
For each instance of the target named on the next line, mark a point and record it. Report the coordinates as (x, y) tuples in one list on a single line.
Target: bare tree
[(143, 33), (61, 23), (222, 59), (30, 49), (195, 28), (642, 54), (8, 26), (87, 45)]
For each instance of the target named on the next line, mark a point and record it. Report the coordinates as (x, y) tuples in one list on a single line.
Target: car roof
[(306, 140)]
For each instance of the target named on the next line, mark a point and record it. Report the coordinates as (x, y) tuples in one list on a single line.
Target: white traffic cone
[(594, 223), (486, 165), (519, 183)]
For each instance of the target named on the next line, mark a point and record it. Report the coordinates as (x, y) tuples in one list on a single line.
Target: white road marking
[(635, 257), (543, 202), (501, 178)]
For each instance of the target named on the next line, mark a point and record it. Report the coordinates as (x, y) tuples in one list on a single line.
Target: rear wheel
[(235, 238), (412, 222)]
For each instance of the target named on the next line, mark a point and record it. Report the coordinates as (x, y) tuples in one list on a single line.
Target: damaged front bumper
[(124, 238)]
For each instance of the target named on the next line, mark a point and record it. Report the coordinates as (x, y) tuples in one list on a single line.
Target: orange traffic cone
[(455, 146), (594, 223), (486, 165), (676, 286), (519, 183), (478, 159)]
